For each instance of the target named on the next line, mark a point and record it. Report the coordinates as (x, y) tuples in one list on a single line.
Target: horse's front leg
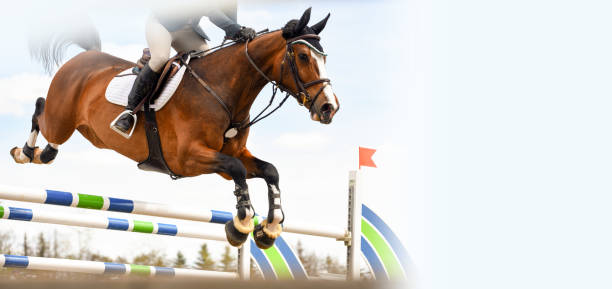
[(203, 161), (266, 233)]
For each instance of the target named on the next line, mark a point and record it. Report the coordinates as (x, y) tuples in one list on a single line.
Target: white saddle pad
[(118, 89)]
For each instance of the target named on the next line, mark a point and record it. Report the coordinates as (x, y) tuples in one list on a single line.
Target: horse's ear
[(303, 21), (319, 26)]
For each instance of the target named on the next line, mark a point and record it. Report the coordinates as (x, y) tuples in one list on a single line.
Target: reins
[(302, 96)]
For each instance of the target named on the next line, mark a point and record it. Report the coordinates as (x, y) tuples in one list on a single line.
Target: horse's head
[(303, 68)]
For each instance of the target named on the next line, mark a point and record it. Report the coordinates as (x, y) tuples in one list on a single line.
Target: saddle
[(118, 89)]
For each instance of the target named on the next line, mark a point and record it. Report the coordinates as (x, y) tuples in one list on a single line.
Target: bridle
[(302, 96)]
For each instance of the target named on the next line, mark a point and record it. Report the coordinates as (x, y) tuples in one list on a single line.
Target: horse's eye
[(303, 56)]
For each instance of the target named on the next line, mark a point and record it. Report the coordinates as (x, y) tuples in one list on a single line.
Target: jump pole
[(196, 231), (93, 267), (350, 236), (104, 203)]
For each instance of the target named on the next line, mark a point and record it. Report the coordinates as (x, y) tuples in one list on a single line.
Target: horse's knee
[(268, 172), (233, 167)]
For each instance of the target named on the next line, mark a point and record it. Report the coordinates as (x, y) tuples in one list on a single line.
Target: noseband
[(302, 96)]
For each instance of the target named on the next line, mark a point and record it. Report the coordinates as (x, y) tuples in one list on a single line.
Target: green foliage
[(180, 261), (332, 266), (152, 258), (310, 261), (42, 248), (227, 260), (26, 246), (204, 261), (6, 243)]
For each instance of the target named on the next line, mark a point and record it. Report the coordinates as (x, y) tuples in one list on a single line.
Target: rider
[(178, 26)]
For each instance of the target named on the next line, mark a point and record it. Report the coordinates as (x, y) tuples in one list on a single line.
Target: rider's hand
[(241, 33)]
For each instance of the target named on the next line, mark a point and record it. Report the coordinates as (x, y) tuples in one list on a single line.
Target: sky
[(313, 160), (491, 120)]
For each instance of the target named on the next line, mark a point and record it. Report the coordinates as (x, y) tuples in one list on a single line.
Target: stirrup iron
[(133, 115)]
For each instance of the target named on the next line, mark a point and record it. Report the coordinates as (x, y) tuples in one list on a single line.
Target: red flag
[(365, 157)]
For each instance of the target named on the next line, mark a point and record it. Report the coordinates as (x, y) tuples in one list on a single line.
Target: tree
[(204, 261), (310, 261), (227, 260), (6, 241), (55, 249), (26, 247), (153, 258), (300, 250), (180, 260), (332, 266), (42, 250)]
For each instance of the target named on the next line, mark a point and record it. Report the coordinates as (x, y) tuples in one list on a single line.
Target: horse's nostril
[(326, 108)]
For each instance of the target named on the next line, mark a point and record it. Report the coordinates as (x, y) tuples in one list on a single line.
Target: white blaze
[(327, 91)]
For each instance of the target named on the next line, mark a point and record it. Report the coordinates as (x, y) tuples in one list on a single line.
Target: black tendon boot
[(143, 86)]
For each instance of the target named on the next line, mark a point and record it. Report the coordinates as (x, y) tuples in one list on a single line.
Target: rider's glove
[(240, 33)]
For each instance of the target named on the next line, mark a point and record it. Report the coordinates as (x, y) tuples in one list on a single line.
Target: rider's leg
[(186, 39), (159, 40)]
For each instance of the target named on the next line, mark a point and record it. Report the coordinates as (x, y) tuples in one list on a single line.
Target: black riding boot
[(143, 86)]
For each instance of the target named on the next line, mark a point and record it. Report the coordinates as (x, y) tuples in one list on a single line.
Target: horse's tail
[(48, 46)]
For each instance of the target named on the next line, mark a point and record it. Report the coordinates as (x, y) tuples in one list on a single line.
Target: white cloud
[(130, 52), (257, 18), (303, 141), (95, 157), (19, 93)]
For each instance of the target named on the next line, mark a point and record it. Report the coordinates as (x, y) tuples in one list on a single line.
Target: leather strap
[(160, 81), (210, 90)]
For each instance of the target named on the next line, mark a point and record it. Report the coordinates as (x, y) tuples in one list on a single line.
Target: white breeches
[(160, 40)]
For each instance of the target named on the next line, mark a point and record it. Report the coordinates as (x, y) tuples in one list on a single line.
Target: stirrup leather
[(133, 115)]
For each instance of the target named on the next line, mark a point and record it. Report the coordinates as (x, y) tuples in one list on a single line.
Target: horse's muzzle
[(324, 114)]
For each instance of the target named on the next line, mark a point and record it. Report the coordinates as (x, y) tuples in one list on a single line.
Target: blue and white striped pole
[(199, 231), (92, 267), (70, 199)]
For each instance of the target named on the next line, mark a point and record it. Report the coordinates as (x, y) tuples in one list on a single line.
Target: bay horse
[(193, 123)]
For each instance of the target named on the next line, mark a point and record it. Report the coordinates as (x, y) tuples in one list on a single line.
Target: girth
[(155, 161)]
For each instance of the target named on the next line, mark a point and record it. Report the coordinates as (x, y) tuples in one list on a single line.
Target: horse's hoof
[(264, 237), (234, 235), (36, 160), (12, 152), (17, 156)]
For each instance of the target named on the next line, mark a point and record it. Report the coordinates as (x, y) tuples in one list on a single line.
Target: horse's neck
[(239, 81)]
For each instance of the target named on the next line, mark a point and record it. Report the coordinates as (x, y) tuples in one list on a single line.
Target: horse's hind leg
[(30, 153)]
